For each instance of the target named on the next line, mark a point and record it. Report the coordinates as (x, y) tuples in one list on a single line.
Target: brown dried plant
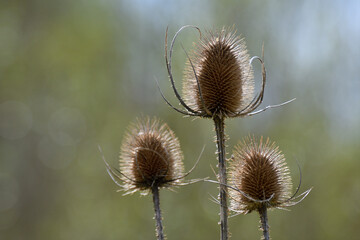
[(150, 155), (224, 74), (260, 180), (150, 159), (218, 84), (219, 80)]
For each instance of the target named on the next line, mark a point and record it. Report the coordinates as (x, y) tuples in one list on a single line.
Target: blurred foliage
[(73, 74)]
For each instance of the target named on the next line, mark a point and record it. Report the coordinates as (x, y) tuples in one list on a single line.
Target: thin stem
[(156, 200), (264, 221), (220, 142)]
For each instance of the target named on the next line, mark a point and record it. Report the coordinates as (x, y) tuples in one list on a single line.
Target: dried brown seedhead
[(223, 72), (150, 155), (259, 176), (219, 80)]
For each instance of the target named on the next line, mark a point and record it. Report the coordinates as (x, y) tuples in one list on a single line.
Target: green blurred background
[(73, 74)]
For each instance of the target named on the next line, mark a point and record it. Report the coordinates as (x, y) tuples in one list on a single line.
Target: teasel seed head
[(150, 155), (219, 80), (259, 173), (224, 73)]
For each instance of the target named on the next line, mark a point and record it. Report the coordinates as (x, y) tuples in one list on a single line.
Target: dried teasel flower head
[(224, 74), (259, 177), (150, 156), (219, 80)]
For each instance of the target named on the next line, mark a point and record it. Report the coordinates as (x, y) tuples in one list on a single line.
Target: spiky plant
[(218, 84), (151, 156), (224, 76), (150, 159), (260, 179)]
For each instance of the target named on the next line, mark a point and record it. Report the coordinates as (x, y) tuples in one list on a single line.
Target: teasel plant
[(260, 179), (218, 84), (150, 159)]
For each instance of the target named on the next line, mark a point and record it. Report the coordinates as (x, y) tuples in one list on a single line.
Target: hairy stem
[(220, 142), (264, 222), (156, 200)]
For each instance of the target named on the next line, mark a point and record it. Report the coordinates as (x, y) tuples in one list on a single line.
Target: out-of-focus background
[(74, 74)]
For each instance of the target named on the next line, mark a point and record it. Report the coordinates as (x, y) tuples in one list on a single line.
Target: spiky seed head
[(226, 79), (150, 155), (259, 171)]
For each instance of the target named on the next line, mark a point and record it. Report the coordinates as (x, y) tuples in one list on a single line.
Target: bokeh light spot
[(67, 126), (15, 120), (9, 192), (55, 156)]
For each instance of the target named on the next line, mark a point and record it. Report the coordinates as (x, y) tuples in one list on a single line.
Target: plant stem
[(264, 221), (220, 142), (156, 200)]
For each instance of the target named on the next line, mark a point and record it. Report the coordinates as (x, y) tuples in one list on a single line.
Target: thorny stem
[(156, 200), (220, 142), (264, 222)]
